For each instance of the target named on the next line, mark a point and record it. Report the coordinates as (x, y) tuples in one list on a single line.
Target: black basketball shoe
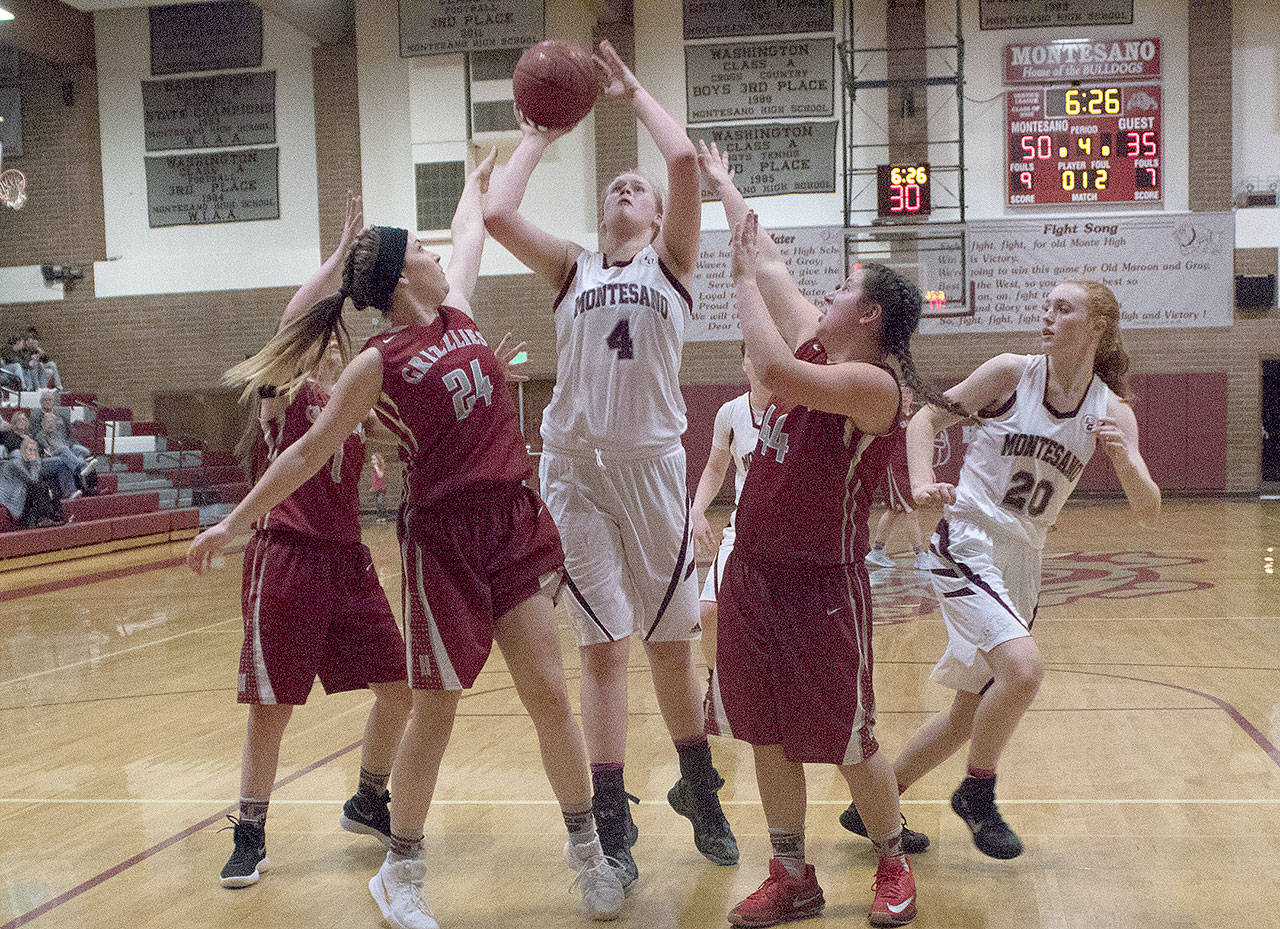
[(913, 843), (249, 857)]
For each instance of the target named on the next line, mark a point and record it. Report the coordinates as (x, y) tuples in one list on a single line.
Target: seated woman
[(30, 495)]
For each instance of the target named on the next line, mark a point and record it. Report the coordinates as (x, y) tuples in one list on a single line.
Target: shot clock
[(902, 191), (1084, 143)]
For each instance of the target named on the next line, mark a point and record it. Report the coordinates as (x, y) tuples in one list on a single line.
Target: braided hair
[(290, 358), (900, 307)]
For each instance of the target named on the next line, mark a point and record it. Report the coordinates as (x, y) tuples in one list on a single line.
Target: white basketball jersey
[(1026, 459), (619, 337), (737, 430)]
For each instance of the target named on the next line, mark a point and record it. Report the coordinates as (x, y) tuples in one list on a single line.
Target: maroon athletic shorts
[(313, 607), (466, 564), (793, 659)]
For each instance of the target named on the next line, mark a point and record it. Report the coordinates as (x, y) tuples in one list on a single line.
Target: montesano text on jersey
[(619, 336), (1027, 457), (327, 506), (444, 397), (806, 497)]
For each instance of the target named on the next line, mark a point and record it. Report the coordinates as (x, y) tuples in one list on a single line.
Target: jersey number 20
[(467, 390), (1035, 502)]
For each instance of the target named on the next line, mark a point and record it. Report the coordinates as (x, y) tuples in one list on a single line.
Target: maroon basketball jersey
[(898, 439), (327, 506), (807, 494), (444, 397)]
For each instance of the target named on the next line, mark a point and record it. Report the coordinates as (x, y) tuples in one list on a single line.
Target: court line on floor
[(1230, 709), (114, 870), (17, 593), (123, 651)]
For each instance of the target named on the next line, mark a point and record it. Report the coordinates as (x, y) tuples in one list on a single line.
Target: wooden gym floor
[(1145, 780)]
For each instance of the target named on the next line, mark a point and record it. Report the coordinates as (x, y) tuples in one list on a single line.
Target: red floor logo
[(899, 595)]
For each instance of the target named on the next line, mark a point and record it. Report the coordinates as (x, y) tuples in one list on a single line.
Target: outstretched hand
[(505, 356), (746, 247), (714, 165), (531, 130), (352, 223), (478, 179), (616, 79)]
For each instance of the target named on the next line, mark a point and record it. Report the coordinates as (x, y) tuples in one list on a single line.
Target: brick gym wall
[(126, 349)]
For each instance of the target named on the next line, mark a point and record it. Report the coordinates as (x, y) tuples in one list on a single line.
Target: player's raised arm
[(328, 278), (467, 235), (861, 391), (547, 255), (677, 244), (794, 315)]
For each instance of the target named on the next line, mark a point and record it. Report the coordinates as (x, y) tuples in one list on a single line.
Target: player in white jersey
[(1042, 417), (613, 468), (737, 429)]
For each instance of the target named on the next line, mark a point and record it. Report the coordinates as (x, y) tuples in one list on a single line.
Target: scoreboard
[(903, 191), (1084, 143)]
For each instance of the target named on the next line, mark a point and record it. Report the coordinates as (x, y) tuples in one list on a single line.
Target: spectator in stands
[(12, 433), (56, 468), (40, 367), (13, 365), (30, 496), (51, 426)]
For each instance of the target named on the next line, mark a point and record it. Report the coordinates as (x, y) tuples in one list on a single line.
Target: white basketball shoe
[(597, 882), (397, 889)]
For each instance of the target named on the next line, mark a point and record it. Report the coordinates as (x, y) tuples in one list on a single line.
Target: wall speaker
[(1255, 291)]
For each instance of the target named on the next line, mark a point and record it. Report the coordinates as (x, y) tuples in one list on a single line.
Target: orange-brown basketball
[(555, 84)]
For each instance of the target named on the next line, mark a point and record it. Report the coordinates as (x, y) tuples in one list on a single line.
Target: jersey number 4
[(467, 390), (620, 339), (772, 438), (1025, 494)]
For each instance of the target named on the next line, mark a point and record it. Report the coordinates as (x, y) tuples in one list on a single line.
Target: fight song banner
[(814, 256), (1168, 271)]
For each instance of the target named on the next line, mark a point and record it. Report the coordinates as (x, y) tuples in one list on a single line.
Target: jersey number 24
[(467, 390)]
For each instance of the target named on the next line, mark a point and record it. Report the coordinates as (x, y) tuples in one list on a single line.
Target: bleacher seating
[(142, 483)]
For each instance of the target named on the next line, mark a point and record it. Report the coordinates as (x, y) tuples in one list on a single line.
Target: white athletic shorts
[(628, 545), (987, 586), (711, 586)]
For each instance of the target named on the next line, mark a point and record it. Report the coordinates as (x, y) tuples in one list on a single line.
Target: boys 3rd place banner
[(1088, 128)]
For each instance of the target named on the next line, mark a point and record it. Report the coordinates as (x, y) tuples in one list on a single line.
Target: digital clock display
[(902, 191), (1094, 143)]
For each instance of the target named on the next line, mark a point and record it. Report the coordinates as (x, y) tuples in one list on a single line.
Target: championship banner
[(1168, 271), (814, 256), (447, 27), (213, 187), (220, 111), (786, 78), (776, 158)]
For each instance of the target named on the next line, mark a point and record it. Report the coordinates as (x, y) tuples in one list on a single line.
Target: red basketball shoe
[(895, 887), (781, 898)]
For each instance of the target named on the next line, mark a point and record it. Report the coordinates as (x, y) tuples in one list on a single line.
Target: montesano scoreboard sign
[(1082, 60), (1083, 121)]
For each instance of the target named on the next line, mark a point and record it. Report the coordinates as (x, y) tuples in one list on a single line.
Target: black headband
[(388, 265)]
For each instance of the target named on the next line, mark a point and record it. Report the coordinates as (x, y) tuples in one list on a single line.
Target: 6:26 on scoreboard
[(1084, 143)]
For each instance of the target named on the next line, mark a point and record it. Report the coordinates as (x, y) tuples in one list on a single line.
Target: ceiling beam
[(322, 20), (49, 30)]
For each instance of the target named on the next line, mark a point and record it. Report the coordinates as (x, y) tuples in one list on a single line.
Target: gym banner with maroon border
[(1083, 59), (1173, 270)]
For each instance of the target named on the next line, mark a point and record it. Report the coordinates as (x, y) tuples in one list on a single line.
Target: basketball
[(555, 84)]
